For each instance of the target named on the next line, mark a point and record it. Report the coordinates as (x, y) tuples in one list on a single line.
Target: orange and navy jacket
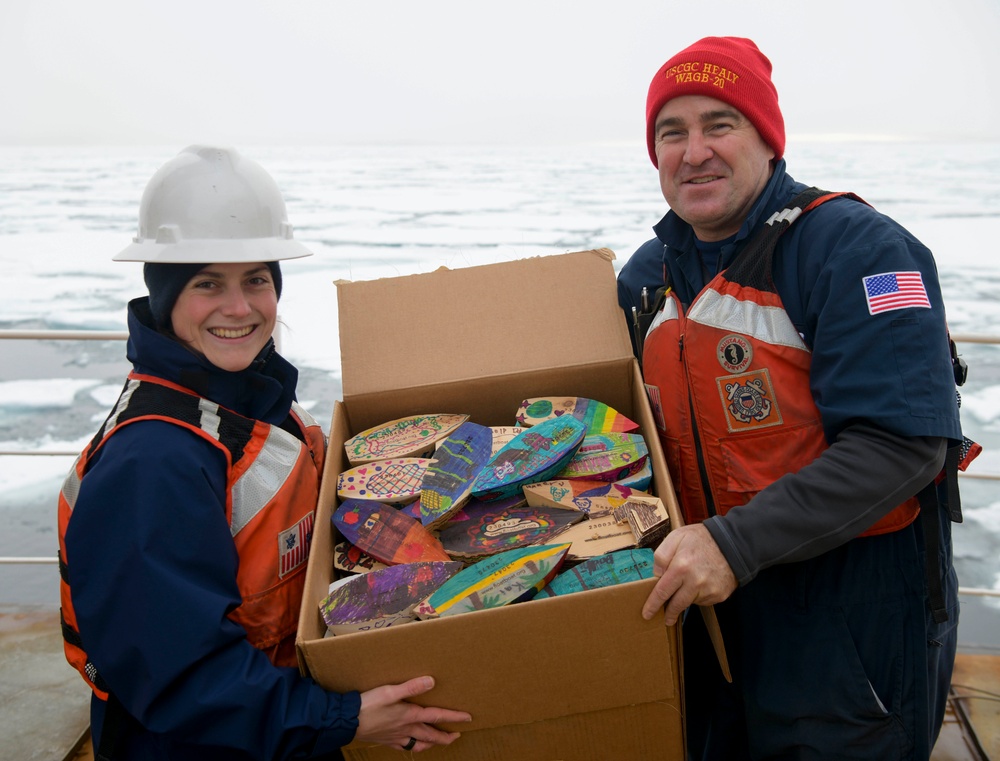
[(271, 491), (734, 370)]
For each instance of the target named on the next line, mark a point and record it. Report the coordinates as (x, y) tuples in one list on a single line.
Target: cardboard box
[(581, 677)]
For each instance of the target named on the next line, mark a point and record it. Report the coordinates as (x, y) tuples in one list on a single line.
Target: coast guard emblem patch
[(734, 353), (749, 401)]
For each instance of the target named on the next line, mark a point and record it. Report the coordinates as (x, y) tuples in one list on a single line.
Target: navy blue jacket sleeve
[(891, 368), (152, 568)]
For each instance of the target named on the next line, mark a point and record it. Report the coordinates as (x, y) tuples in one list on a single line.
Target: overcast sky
[(374, 71)]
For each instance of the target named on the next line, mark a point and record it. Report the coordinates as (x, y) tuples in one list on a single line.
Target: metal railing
[(65, 335), (114, 335), (969, 591)]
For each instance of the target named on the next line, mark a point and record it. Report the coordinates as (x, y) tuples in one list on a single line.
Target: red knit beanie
[(730, 69)]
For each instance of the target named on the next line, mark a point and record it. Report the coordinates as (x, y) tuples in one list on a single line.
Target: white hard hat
[(209, 205)]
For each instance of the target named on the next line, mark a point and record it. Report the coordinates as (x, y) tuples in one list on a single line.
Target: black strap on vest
[(73, 638), (932, 501), (753, 266), (155, 399), (929, 507), (943, 494), (643, 318), (114, 713), (112, 731)]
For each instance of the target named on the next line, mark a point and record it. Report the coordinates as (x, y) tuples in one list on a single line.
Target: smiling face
[(227, 313), (713, 163)]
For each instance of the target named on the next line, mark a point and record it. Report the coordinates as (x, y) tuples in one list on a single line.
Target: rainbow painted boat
[(597, 416), (607, 457)]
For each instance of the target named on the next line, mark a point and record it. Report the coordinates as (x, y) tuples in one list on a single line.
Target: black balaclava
[(166, 281)]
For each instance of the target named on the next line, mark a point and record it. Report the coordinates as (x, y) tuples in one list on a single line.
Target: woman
[(185, 524)]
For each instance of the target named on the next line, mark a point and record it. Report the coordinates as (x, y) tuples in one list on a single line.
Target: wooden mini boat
[(394, 482), (647, 516), (383, 598), (599, 533), (535, 454), (607, 457), (597, 416), (604, 570), (447, 483), (490, 530), (385, 533), (578, 494), (414, 436), (510, 577)]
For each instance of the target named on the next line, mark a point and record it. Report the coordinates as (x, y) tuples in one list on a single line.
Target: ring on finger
[(410, 744)]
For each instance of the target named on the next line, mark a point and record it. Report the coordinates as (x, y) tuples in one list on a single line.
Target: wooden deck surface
[(44, 704), (976, 694)]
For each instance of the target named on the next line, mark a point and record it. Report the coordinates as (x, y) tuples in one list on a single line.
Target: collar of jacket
[(679, 241), (264, 391)]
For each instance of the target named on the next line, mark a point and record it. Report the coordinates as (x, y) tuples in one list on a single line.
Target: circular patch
[(734, 353), (540, 409)]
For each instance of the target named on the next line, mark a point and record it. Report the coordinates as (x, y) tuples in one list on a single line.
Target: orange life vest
[(729, 386), (272, 486)]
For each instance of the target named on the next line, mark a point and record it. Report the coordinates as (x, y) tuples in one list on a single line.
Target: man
[(799, 368)]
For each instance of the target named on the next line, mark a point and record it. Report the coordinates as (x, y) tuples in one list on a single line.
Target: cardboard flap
[(543, 312)]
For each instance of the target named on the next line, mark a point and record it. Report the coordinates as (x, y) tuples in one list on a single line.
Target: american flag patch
[(656, 404), (293, 545), (895, 290)]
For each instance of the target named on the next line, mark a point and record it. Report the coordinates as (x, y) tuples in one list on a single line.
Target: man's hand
[(691, 570)]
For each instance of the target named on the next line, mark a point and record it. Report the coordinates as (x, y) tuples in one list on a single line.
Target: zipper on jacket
[(702, 470)]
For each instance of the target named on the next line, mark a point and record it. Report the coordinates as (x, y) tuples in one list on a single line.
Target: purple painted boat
[(384, 598), (490, 530)]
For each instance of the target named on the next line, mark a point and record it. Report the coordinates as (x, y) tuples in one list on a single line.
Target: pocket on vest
[(757, 460)]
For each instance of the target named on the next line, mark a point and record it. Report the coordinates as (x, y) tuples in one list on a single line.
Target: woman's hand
[(388, 719)]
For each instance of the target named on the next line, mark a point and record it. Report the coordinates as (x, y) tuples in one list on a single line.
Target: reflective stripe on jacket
[(729, 386), (272, 488)]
